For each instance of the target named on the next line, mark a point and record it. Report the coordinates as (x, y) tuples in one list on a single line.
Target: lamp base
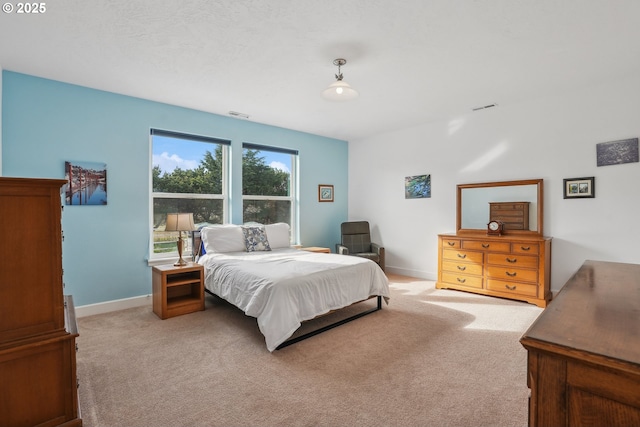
[(181, 262)]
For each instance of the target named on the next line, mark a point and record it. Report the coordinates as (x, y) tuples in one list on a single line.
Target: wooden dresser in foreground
[(38, 384), (510, 266), (584, 351)]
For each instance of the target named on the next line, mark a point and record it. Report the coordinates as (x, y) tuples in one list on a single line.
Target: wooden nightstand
[(177, 290), (317, 249)]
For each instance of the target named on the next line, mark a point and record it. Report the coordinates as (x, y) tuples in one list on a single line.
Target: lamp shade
[(180, 222), (339, 91)]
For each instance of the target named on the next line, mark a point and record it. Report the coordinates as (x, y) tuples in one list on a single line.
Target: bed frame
[(332, 325), (327, 327)]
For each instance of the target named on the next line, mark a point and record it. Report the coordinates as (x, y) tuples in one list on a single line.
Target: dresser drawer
[(509, 208), (508, 260), (515, 215), (462, 256), (462, 280), (519, 274), (486, 245), (524, 248), (451, 243), (512, 287), (462, 267)]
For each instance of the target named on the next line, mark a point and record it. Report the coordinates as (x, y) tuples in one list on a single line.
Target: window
[(188, 175), (269, 177)]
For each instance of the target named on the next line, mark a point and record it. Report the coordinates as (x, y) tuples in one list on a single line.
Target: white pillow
[(278, 235), (223, 238)]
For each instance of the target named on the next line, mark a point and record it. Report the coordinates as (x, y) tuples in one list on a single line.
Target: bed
[(255, 269)]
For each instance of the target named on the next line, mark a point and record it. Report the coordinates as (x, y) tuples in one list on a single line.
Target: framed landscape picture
[(617, 152), (86, 183), (579, 188)]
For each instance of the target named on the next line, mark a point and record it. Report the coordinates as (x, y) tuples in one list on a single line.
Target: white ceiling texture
[(413, 61)]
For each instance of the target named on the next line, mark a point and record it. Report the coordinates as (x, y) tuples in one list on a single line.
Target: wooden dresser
[(515, 267), (38, 385), (584, 351)]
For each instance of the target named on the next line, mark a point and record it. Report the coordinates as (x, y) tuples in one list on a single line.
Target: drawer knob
[(512, 260), (511, 274), (485, 245), (463, 256), (525, 248), (461, 280), (461, 267), (451, 243), (511, 288)]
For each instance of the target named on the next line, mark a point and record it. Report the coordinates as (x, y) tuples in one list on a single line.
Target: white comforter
[(284, 287)]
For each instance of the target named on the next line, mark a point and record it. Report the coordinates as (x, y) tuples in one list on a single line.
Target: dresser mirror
[(473, 202)]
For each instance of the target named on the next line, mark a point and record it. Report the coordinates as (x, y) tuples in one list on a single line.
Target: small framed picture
[(86, 183), (579, 188), (417, 187), (325, 193)]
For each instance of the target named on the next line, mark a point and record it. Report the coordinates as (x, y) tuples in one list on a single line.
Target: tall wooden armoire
[(38, 385)]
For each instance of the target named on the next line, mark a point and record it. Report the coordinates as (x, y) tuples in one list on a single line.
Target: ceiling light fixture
[(339, 90)]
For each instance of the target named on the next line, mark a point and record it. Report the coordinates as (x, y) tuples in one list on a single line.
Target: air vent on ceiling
[(484, 107), (238, 115)]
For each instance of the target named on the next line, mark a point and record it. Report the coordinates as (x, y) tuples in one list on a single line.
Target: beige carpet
[(429, 358)]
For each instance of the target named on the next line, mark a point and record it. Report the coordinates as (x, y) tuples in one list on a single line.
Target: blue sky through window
[(171, 153)]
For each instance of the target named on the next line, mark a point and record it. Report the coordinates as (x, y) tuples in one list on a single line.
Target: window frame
[(293, 196), (160, 258)]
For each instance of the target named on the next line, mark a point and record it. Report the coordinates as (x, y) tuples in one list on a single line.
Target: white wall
[(551, 138)]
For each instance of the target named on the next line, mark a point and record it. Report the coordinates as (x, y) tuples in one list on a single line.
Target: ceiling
[(413, 61)]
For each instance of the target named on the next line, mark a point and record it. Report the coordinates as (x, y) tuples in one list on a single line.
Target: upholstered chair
[(356, 240)]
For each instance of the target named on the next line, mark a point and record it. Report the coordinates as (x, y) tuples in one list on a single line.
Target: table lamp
[(180, 222)]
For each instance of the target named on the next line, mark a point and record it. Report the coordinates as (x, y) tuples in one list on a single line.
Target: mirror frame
[(540, 187)]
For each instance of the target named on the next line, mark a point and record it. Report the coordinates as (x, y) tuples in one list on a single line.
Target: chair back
[(356, 236)]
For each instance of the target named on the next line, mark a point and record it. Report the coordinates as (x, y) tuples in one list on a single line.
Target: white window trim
[(292, 197), (171, 257)]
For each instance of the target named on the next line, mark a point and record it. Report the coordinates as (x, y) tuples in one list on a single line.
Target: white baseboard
[(115, 305), (418, 274), (121, 304)]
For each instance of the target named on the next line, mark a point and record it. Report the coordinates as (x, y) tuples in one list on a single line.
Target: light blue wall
[(45, 123)]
